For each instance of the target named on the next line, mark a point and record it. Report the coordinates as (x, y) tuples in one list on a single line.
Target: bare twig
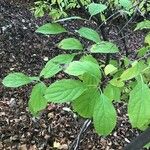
[(75, 144)]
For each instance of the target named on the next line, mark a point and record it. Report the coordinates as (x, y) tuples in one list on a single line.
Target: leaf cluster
[(86, 90)]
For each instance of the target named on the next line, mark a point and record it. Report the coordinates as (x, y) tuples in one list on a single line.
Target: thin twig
[(75, 144)]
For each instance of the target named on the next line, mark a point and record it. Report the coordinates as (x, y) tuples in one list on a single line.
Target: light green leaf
[(51, 28), (64, 91), (104, 116), (116, 82), (138, 106), (147, 39), (131, 72), (63, 59), (112, 92), (110, 69), (84, 104), (95, 8), (16, 79), (143, 25), (89, 80), (77, 68), (50, 69), (89, 58), (89, 34), (70, 44), (104, 47), (142, 51), (37, 101), (53, 66), (126, 4)]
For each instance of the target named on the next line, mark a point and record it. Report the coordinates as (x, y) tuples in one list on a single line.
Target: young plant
[(93, 86)]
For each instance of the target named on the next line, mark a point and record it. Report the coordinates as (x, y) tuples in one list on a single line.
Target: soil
[(21, 49)]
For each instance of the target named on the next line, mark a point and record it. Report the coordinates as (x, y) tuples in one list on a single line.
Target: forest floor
[(21, 49)]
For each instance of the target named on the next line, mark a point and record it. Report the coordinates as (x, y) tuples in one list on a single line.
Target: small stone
[(43, 125), (23, 147), (23, 20), (59, 76), (45, 58), (1, 145), (11, 69), (64, 146), (46, 137), (50, 115)]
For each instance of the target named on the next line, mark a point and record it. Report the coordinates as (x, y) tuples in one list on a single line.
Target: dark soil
[(21, 49)]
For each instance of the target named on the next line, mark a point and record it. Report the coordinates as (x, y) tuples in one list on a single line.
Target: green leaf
[(110, 69), (53, 66), (104, 116), (131, 72), (116, 82), (63, 59), (37, 101), (89, 58), (89, 80), (51, 28), (142, 51), (104, 47), (50, 69), (64, 91), (84, 104), (126, 4), (89, 34), (95, 8), (77, 68), (143, 25), (70, 44), (16, 79), (138, 106), (147, 39), (112, 92)]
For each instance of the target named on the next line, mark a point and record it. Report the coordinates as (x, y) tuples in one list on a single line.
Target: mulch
[(21, 49)]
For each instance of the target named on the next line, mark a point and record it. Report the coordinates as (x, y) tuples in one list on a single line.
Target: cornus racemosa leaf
[(104, 116), (89, 34), (85, 103), (16, 79), (51, 28), (65, 90), (104, 47), (37, 102), (70, 44), (138, 107)]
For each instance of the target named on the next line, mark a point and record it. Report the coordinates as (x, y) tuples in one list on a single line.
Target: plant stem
[(75, 144)]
